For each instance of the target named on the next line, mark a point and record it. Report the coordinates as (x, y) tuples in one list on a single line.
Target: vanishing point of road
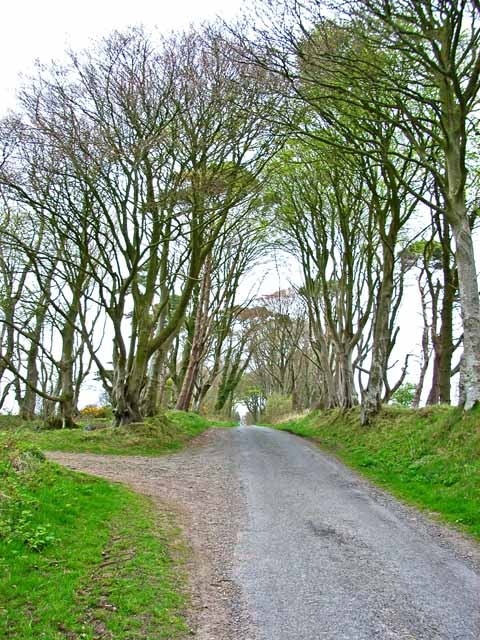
[(308, 549)]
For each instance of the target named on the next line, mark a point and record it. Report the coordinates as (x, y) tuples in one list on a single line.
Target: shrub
[(277, 407), (20, 467), (93, 411), (404, 395)]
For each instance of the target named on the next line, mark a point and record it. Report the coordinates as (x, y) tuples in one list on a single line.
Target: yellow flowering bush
[(93, 411)]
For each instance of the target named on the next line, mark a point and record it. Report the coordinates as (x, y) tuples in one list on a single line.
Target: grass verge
[(155, 436), (429, 457), (81, 558)]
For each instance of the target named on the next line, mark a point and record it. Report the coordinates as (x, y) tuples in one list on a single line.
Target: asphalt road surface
[(325, 556)]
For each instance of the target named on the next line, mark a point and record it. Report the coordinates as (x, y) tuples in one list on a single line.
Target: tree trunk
[(346, 393), (128, 406), (156, 381), (419, 386), (126, 398), (434, 393), (443, 340), (198, 345), (27, 404), (225, 384), (327, 391), (446, 336), (454, 122), (185, 397), (469, 299), (372, 398), (66, 371)]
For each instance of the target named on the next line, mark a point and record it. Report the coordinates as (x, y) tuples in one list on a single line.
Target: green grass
[(155, 436), (81, 558), (429, 457)]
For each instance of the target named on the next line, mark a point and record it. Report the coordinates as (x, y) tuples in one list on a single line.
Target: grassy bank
[(429, 457), (155, 436), (81, 558)]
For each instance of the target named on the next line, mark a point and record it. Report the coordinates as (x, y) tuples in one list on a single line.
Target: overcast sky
[(43, 29)]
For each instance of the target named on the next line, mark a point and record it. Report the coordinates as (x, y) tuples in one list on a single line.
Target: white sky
[(44, 29)]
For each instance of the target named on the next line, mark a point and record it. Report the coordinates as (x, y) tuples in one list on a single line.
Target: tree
[(440, 40), (143, 152), (434, 259), (237, 256), (334, 98), (321, 210), (254, 399)]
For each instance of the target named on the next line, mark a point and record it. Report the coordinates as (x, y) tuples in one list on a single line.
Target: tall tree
[(440, 40), (322, 209)]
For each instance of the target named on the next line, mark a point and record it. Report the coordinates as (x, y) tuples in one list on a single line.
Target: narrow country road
[(292, 545)]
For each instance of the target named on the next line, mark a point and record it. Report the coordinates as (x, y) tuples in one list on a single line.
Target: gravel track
[(289, 544)]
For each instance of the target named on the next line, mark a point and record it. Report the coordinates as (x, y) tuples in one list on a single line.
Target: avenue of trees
[(144, 182)]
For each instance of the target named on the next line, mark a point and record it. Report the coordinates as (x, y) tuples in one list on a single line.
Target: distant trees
[(320, 200), (277, 342), (281, 365), (216, 312), (437, 283)]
